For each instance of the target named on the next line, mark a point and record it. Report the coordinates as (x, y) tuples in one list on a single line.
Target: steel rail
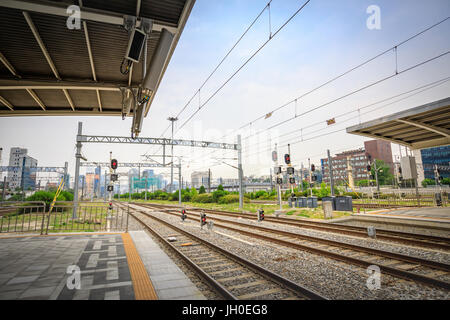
[(390, 270), (382, 234)]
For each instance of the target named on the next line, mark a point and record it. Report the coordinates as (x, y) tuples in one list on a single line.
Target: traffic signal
[(369, 168), (290, 170), (287, 158), (110, 206), (110, 188), (277, 170), (292, 180), (183, 215), (114, 164), (114, 177), (313, 168), (260, 215), (202, 219), (279, 180), (314, 178)]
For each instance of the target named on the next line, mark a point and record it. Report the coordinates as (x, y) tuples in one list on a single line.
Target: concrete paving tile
[(19, 280), (10, 295), (38, 292)]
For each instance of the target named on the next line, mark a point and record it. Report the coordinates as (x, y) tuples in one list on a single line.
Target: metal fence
[(36, 217), (402, 199)]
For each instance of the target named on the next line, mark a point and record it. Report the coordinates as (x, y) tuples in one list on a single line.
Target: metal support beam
[(157, 141), (46, 55), (179, 181), (36, 98), (11, 84), (442, 131), (330, 170), (33, 169), (125, 165), (8, 65), (60, 9), (6, 103)]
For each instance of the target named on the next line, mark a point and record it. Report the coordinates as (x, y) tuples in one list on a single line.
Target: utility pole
[(310, 176), (179, 181), (146, 187), (290, 165), (376, 174), (171, 119), (278, 185), (209, 180), (241, 174), (301, 176), (4, 188), (330, 169), (77, 171), (82, 188), (104, 193)]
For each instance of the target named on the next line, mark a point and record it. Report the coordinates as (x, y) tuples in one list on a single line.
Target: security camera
[(135, 44)]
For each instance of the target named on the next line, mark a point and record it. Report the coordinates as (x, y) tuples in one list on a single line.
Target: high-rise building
[(200, 178), (358, 161), (18, 158), (439, 156), (380, 150)]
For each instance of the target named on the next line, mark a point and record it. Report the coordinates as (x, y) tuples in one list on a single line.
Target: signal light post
[(202, 220)]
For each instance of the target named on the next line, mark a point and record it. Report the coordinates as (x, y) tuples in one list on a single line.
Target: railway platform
[(94, 266)]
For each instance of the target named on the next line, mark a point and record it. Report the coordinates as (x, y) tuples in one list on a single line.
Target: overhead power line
[(242, 66)]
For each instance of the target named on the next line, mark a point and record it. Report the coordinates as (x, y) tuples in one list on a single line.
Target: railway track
[(413, 239), (398, 265), (233, 277)]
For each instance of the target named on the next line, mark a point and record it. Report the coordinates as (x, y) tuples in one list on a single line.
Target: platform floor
[(112, 267), (419, 213)]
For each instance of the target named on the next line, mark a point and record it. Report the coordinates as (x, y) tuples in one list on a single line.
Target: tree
[(384, 174), (220, 187), (202, 190)]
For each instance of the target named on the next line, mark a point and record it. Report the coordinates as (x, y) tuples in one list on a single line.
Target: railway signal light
[(110, 188), (277, 170), (114, 177), (110, 206), (369, 168), (314, 178), (260, 215), (114, 164), (292, 180), (287, 158), (313, 168), (183, 215), (202, 219), (274, 156), (279, 180), (290, 170)]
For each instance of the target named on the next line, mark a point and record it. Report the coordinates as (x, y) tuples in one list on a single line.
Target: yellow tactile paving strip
[(142, 285)]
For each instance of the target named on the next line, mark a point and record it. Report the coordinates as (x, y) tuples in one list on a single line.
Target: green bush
[(202, 190), (203, 198), (218, 194), (232, 198)]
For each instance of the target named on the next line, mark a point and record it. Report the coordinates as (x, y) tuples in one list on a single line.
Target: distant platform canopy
[(421, 127), (52, 66)]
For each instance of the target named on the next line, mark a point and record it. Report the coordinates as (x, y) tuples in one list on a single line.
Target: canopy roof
[(48, 69), (421, 127)]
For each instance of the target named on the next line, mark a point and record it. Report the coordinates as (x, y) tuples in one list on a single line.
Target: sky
[(322, 41)]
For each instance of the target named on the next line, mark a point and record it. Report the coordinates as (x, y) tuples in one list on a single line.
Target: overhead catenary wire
[(197, 92), (425, 87), (242, 66), (303, 139), (295, 100)]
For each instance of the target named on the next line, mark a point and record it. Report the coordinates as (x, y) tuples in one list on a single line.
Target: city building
[(200, 178), (18, 158), (358, 160), (380, 150), (431, 157)]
